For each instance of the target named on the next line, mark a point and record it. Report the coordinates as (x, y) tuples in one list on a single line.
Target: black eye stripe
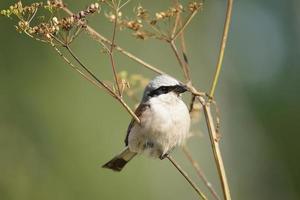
[(162, 90)]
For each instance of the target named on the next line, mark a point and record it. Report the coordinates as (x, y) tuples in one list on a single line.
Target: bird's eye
[(160, 90), (164, 89)]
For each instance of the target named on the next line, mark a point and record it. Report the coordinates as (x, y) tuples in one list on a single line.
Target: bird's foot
[(163, 156)]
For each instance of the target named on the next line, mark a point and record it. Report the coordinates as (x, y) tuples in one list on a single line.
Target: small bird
[(164, 122)]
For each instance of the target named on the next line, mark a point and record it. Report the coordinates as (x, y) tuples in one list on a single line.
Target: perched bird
[(164, 122)]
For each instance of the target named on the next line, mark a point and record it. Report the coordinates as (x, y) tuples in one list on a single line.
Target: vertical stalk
[(216, 151), (222, 47)]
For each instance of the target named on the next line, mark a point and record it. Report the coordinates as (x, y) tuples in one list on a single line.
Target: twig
[(112, 61), (119, 98), (174, 48), (110, 91), (183, 64), (128, 109), (199, 172), (216, 151), (222, 47), (176, 23), (33, 15), (191, 108), (89, 72), (94, 82), (184, 174), (184, 52), (102, 40), (209, 120), (186, 23)]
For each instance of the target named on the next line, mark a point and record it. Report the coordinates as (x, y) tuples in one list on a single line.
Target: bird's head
[(163, 84)]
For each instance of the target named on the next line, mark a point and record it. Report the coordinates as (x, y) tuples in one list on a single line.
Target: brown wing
[(140, 109)]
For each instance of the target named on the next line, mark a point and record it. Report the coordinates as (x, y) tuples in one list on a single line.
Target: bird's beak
[(180, 88)]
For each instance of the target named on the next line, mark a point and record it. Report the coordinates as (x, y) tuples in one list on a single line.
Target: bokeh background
[(56, 129)]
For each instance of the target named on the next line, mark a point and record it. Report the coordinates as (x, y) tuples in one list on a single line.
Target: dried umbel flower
[(134, 25), (141, 35), (93, 7), (171, 12), (55, 20), (20, 11), (194, 6), (142, 13), (112, 17), (56, 4)]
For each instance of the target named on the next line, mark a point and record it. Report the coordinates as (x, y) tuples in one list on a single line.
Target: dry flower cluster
[(51, 27), (146, 25)]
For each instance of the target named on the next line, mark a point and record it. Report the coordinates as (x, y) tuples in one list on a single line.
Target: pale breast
[(163, 126)]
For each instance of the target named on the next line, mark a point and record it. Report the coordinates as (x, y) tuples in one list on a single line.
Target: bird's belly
[(162, 128)]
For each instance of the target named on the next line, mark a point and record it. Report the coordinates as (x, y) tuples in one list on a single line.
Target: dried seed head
[(142, 12), (55, 20), (158, 16), (194, 6), (81, 14), (96, 6), (48, 36), (92, 6), (141, 35)]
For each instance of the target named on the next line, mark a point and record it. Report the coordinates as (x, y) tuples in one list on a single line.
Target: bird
[(164, 123)]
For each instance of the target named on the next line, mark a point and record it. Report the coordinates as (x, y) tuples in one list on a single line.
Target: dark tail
[(119, 161)]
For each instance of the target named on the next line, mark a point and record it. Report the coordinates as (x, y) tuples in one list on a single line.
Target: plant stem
[(174, 48), (184, 174), (184, 52), (112, 61), (209, 120), (89, 72), (199, 172), (216, 151), (119, 98), (222, 47), (186, 23), (93, 81)]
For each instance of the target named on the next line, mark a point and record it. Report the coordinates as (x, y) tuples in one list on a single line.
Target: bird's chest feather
[(164, 125), (165, 117)]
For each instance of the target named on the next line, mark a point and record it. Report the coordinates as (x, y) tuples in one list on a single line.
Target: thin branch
[(111, 57), (174, 48), (184, 174), (128, 109), (209, 120), (216, 151), (175, 24), (102, 40), (184, 53), (94, 82), (191, 108), (199, 172), (110, 91), (222, 47), (186, 23), (124, 4), (119, 98), (33, 15), (183, 64), (89, 72)]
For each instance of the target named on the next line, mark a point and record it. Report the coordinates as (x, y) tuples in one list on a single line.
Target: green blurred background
[(56, 129)]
